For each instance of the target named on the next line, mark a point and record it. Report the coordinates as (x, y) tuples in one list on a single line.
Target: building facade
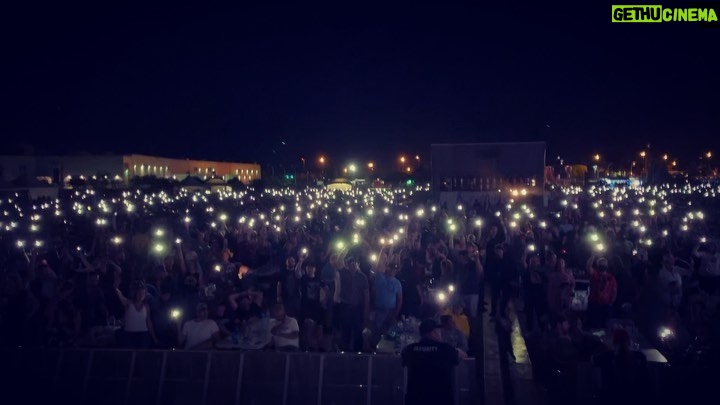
[(487, 171), (121, 168)]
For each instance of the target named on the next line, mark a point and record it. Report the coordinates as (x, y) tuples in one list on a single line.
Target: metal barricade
[(118, 377)]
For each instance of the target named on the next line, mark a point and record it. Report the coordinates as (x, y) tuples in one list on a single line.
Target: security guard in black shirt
[(431, 367)]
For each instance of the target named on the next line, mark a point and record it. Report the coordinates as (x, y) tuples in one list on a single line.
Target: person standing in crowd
[(285, 330), (603, 290), (17, 308), (560, 289), (431, 367), (410, 279), (313, 295), (497, 267), (709, 272), (470, 277), (246, 304), (138, 326), (535, 281), (92, 303), (624, 372), (288, 287), (354, 305), (199, 332), (388, 297), (670, 282), (563, 363), (509, 279), (166, 284)]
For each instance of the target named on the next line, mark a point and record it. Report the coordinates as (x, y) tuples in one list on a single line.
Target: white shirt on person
[(195, 332), (136, 320), (289, 325)]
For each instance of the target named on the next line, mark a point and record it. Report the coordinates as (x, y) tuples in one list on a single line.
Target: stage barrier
[(155, 377)]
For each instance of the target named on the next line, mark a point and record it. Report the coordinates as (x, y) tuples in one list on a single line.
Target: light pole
[(307, 174), (596, 158), (643, 155), (708, 155), (351, 169), (321, 162)]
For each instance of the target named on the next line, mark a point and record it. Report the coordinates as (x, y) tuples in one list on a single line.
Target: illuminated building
[(121, 168)]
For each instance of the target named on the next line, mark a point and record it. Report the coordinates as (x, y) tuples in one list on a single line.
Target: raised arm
[(589, 266), (121, 297), (298, 266), (181, 256)]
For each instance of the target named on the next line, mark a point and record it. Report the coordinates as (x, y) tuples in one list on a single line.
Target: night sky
[(358, 82)]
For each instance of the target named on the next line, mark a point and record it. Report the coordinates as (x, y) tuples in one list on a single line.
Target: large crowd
[(338, 271)]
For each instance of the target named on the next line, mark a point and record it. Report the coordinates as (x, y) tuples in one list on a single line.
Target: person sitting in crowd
[(284, 330), (246, 305), (460, 320)]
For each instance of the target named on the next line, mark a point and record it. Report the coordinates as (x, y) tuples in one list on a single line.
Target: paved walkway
[(505, 382)]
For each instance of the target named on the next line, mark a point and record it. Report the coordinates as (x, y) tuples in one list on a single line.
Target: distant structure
[(488, 173), (59, 170)]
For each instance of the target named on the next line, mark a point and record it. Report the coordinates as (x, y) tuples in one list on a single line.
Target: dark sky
[(353, 81)]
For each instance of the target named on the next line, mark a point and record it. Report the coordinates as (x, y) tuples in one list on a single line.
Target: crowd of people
[(332, 271)]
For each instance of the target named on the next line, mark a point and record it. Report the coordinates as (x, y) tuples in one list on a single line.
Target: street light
[(407, 169), (708, 154), (352, 168), (665, 157), (371, 166), (643, 154), (597, 157), (402, 159), (321, 160)]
